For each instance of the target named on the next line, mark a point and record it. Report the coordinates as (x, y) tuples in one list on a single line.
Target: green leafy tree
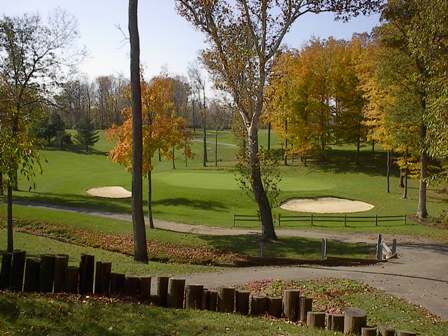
[(86, 134)]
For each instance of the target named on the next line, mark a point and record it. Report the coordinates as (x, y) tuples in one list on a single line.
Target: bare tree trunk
[(150, 218), (269, 136), (422, 211), (10, 234), (388, 171), (261, 198), (138, 220), (204, 130), (216, 147)]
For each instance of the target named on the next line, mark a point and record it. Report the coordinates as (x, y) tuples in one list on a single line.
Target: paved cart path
[(420, 275)]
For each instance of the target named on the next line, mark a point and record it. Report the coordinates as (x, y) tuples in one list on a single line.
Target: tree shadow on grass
[(292, 247), (192, 203)]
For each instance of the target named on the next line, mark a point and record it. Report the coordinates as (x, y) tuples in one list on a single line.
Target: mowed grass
[(291, 247), (211, 196)]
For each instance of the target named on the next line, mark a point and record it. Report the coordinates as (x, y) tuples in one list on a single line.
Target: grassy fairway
[(210, 196)]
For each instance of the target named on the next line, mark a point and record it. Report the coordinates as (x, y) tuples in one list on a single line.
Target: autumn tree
[(244, 36), (34, 57), (162, 130), (138, 220)]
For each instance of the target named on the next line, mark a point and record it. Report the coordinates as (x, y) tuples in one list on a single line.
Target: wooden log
[(226, 299), (275, 306), (212, 300), (258, 305), (17, 270), (117, 284), (6, 270), (315, 320), (368, 331), (406, 333), (162, 291), (204, 298), (71, 281), (145, 288), (242, 302), (176, 292), (335, 322), (98, 278), (386, 331), (291, 304), (132, 286), (354, 320), (305, 306), (86, 274), (193, 296), (106, 270), (46, 274), (32, 269), (60, 270)]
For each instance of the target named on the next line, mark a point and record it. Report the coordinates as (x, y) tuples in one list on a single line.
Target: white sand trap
[(110, 192), (326, 205)]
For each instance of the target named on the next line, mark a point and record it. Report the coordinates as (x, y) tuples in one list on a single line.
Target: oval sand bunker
[(326, 205), (110, 192)]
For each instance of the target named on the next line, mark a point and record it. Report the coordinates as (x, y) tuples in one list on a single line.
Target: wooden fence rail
[(51, 274)]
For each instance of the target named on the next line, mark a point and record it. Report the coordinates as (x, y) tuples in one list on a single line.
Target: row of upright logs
[(52, 274)]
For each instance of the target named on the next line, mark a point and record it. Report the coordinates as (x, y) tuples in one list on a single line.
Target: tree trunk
[(185, 153), (138, 220), (401, 178), (204, 131), (286, 143), (358, 148), (216, 147), (173, 158), (15, 181), (160, 155), (150, 218), (388, 171), (261, 198), (2, 192), (373, 146), (422, 211), (269, 136), (193, 116), (10, 233)]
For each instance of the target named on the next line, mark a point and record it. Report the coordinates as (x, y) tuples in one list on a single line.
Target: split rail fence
[(52, 274)]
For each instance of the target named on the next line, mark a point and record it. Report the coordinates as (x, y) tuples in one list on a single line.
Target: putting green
[(226, 181)]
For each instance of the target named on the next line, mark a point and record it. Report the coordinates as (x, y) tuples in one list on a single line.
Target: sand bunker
[(326, 205), (110, 192)]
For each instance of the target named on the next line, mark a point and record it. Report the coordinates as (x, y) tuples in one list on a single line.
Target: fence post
[(345, 220), (379, 248), (376, 220), (324, 249), (312, 220)]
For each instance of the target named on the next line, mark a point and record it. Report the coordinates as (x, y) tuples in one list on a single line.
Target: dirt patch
[(326, 205), (110, 192)]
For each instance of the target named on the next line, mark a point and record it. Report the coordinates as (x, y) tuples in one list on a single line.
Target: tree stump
[(86, 274), (368, 331), (226, 299), (46, 274), (305, 306), (291, 304), (212, 300), (60, 269), (132, 286), (193, 296), (106, 270), (145, 289), (406, 333), (204, 298), (275, 306), (354, 320), (32, 270), (258, 305), (387, 331), (98, 278), (162, 291), (242, 302), (335, 322), (176, 289), (17, 270), (117, 281), (315, 320), (71, 282), (6, 270)]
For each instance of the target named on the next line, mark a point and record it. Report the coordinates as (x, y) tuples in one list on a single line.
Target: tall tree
[(138, 220), (244, 37), (34, 57)]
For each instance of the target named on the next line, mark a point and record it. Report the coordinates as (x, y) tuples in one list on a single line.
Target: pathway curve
[(420, 275)]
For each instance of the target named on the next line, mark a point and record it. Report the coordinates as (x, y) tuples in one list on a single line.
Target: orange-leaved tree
[(162, 130)]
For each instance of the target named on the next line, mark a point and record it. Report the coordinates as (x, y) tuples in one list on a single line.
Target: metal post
[(379, 248)]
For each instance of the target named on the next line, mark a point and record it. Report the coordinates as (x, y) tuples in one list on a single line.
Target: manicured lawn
[(66, 225), (210, 196)]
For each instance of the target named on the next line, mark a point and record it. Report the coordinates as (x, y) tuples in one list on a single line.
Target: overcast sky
[(167, 40)]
